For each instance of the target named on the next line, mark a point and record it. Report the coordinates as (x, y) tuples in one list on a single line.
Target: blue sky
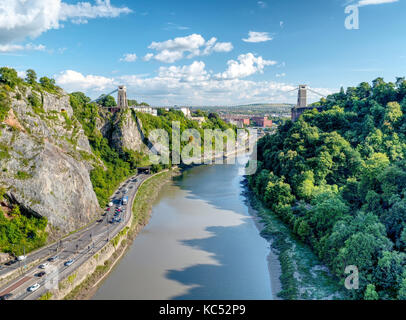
[(212, 52)]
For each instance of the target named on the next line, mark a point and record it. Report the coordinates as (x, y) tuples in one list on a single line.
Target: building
[(263, 122), (186, 112), (239, 121), (145, 109), (201, 120)]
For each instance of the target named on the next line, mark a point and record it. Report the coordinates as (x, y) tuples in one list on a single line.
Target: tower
[(122, 101), (302, 97)]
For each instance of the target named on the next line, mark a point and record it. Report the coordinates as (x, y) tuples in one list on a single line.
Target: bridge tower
[(122, 102), (302, 96)]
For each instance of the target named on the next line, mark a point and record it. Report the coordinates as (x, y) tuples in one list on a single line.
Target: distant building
[(263, 122), (186, 112), (201, 120), (239, 121), (144, 109)]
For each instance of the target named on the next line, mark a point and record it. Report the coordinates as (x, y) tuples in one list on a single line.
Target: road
[(79, 246)]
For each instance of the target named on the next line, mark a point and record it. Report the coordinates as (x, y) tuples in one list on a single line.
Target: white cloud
[(20, 19), (247, 65), (194, 45), (148, 57), (82, 11), (258, 37), (363, 3), (72, 81), (190, 84), (129, 57), (262, 4), (373, 2), (6, 48), (280, 75), (174, 26), (194, 72)]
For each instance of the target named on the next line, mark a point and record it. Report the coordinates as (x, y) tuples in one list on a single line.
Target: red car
[(108, 209)]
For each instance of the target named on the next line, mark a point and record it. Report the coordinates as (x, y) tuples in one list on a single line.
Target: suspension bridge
[(296, 111)]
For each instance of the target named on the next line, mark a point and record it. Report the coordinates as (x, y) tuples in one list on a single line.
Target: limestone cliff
[(126, 132), (45, 159)]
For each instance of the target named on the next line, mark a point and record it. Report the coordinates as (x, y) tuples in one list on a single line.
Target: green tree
[(9, 76), (31, 77), (370, 293)]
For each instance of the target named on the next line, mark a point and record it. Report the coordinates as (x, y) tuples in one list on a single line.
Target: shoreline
[(274, 266)]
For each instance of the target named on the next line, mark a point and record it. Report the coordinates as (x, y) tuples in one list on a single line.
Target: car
[(21, 258), (69, 262), (34, 287), (6, 296), (53, 259), (110, 204), (11, 262), (41, 274), (44, 265), (108, 209), (100, 221)]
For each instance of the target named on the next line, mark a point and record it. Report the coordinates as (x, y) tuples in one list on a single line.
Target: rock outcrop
[(126, 133), (45, 160)]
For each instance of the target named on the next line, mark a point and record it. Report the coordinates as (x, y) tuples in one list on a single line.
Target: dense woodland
[(338, 179)]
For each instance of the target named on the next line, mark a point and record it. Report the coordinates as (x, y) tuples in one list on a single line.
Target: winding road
[(79, 246)]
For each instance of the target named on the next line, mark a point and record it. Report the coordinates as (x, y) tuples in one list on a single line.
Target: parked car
[(21, 258), (34, 287), (69, 262), (11, 262), (6, 296), (41, 274), (111, 204)]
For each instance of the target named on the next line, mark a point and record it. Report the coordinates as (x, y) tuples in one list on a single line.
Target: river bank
[(302, 275), (141, 212)]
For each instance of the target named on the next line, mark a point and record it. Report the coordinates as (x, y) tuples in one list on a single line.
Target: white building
[(145, 109), (186, 112)]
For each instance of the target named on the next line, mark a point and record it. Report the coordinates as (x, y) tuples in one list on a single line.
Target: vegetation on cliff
[(338, 179)]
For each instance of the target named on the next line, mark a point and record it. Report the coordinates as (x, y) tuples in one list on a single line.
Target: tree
[(47, 83), (389, 271), (9, 76), (370, 293), (31, 77), (107, 101)]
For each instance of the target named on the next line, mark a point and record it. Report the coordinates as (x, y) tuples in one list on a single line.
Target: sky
[(200, 53)]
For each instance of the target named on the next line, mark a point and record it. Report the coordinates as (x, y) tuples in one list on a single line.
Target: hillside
[(338, 179)]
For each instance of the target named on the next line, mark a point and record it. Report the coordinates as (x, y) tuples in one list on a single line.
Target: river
[(201, 243)]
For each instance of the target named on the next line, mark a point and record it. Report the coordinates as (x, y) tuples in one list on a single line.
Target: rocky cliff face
[(126, 133), (45, 160)]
